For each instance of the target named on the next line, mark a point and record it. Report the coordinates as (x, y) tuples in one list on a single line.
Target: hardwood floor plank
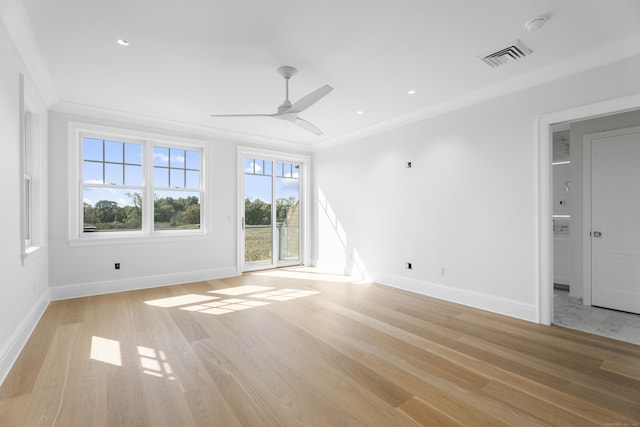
[(24, 373), (544, 410), (295, 347), (414, 377), (627, 403), (427, 415), (50, 390), (631, 371)]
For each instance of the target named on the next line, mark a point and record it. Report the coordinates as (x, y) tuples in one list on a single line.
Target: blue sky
[(258, 186), (123, 166)]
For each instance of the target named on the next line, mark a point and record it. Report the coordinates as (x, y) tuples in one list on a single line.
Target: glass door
[(271, 217)]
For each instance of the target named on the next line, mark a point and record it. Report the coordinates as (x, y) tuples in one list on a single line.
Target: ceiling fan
[(288, 111)]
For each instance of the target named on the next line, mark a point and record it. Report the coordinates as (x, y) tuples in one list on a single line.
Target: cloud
[(250, 169), (161, 157), (177, 159)]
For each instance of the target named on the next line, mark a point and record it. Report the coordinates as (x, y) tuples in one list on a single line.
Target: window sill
[(133, 240)]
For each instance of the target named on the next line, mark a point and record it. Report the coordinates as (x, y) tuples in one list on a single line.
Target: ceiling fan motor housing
[(287, 71)]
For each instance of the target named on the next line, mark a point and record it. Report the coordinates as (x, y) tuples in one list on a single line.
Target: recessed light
[(123, 42), (411, 92), (359, 112)]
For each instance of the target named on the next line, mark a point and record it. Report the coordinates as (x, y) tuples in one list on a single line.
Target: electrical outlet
[(407, 165), (440, 270), (117, 266), (408, 266)]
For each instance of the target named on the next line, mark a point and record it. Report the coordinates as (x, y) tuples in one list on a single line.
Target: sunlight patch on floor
[(106, 351), (241, 290), (284, 294), (225, 306), (252, 296), (309, 275), (155, 363), (179, 300)]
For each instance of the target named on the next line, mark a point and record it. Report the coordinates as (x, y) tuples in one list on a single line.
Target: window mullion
[(148, 201)]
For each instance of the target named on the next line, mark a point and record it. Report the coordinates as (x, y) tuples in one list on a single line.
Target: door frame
[(587, 257), (305, 187), (544, 201)]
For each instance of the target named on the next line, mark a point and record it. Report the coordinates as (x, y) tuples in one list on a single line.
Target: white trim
[(101, 113), (586, 219), (111, 286), (608, 54), (15, 344), (587, 141), (305, 194), (23, 173), (15, 20), (465, 297), (148, 140), (544, 191)]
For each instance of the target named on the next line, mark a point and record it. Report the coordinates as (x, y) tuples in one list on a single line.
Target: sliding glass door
[(271, 214)]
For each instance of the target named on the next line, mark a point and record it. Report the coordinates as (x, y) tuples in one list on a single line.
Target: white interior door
[(615, 220)]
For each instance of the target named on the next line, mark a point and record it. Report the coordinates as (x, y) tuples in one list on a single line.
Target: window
[(176, 188), (136, 185), (111, 185), (31, 171)]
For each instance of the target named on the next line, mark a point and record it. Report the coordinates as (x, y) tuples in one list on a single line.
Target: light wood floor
[(293, 348)]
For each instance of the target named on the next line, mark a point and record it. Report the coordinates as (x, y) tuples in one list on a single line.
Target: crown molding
[(105, 114), (605, 55), (15, 21)]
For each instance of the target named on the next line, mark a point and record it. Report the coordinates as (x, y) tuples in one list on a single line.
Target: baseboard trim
[(108, 287), (12, 349), (479, 300)]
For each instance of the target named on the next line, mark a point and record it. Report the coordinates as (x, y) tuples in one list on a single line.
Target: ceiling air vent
[(515, 50)]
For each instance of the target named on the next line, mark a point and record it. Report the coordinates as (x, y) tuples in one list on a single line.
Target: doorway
[(545, 205), (272, 210)]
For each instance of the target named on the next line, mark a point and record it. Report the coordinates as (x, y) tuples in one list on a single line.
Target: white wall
[(88, 270), (468, 204), (23, 288)]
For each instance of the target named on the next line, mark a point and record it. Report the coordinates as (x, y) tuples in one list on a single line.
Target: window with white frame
[(32, 212), (138, 186), (176, 188)]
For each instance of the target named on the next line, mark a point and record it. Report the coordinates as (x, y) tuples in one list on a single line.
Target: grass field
[(257, 245)]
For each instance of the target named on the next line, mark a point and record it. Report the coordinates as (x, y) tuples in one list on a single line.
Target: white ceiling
[(193, 58)]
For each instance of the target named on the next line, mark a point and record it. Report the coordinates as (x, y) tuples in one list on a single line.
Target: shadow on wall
[(335, 255)]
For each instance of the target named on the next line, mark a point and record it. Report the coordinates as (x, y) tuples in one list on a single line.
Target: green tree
[(164, 210), (107, 211), (89, 213), (257, 212), (192, 214), (133, 214)]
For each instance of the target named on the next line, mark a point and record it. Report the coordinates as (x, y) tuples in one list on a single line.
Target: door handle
[(595, 234), (242, 223)]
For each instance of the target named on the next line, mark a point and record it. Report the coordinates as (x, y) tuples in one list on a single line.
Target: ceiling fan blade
[(310, 99), (307, 126), (242, 115)]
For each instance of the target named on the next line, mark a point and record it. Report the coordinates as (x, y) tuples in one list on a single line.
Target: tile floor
[(568, 312)]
